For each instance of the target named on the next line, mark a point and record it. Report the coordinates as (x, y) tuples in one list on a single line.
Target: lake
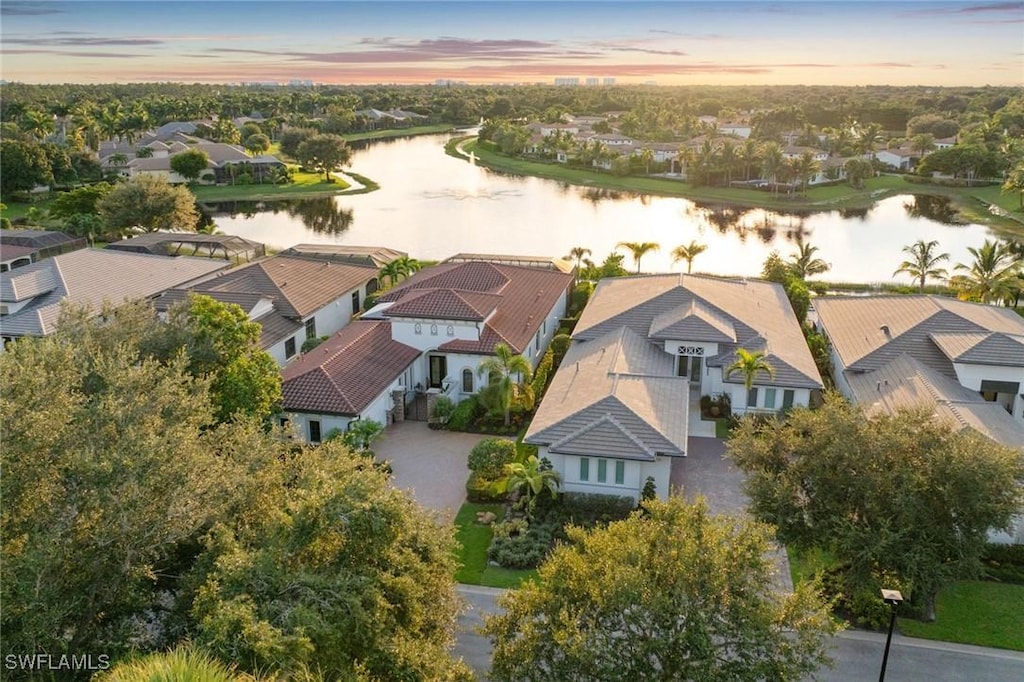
[(433, 205)]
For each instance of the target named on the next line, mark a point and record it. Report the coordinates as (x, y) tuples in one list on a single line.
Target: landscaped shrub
[(464, 414), (489, 457), (579, 297), (541, 375), (506, 529), (559, 345), (311, 343), (650, 490), (482, 490), (443, 409), (526, 550), (860, 602), (1004, 563)]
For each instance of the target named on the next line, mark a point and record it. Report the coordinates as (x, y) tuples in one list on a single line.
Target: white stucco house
[(963, 360), (295, 296), (902, 159), (644, 349), (427, 337)]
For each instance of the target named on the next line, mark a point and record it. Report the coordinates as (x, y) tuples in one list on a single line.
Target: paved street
[(858, 655)]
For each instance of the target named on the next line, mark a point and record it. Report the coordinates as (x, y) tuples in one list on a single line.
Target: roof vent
[(885, 330)]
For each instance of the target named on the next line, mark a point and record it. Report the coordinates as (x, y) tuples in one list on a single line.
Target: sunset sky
[(724, 42)]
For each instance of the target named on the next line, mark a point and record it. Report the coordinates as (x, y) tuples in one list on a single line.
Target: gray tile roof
[(982, 348), (90, 277), (344, 374), (757, 313), (906, 383), (868, 331), (616, 395)]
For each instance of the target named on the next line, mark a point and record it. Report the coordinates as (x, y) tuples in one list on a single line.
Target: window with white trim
[(467, 381), (584, 468)]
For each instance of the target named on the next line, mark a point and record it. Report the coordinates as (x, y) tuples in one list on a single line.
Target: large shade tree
[(923, 262), (673, 593), (150, 205), (324, 154), (898, 494)]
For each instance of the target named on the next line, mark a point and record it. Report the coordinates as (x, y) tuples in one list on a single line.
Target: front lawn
[(982, 613), (975, 612), (474, 539)]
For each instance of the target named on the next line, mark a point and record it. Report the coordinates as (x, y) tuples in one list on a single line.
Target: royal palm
[(638, 249), (923, 262), (688, 252)]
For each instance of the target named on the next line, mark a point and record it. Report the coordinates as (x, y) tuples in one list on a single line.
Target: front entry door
[(438, 370)]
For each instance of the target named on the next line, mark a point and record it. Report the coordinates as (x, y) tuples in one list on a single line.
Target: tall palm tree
[(638, 249), (772, 162), (805, 168), (646, 156), (1015, 183), (867, 137), (578, 253), (748, 155), (508, 372), (688, 252), (728, 157), (749, 365), (995, 274), (923, 262), (804, 264), (406, 266), (38, 124)]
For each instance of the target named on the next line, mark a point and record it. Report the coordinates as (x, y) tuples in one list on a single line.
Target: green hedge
[(480, 490), (1004, 563)]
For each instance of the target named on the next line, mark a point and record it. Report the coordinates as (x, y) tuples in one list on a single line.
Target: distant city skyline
[(673, 43)]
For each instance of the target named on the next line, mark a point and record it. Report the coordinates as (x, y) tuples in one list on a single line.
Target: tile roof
[(906, 383), (299, 286), (868, 331), (618, 395), (994, 348), (560, 264), (757, 313), (376, 256), (346, 373), (246, 301), (520, 298), (90, 277)]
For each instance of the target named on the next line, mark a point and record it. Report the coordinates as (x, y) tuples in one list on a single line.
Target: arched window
[(467, 381)]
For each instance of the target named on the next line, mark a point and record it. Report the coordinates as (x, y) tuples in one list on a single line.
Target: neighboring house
[(369, 256), (795, 152), (226, 163), (902, 159), (643, 349), (19, 248), (31, 296), (945, 142), (980, 347), (308, 298), (963, 360), (451, 316)]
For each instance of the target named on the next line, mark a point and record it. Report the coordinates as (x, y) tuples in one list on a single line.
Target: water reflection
[(322, 216), (939, 209), (433, 205)]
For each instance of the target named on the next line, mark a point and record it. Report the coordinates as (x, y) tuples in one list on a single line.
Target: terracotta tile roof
[(520, 298), (446, 304), (298, 286), (346, 373)]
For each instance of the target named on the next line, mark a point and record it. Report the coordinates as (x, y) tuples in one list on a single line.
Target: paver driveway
[(430, 464)]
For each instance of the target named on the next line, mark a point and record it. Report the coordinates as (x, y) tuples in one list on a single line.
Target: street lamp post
[(893, 598)]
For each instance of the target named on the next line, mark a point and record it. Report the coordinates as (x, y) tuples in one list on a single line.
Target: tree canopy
[(190, 163), (324, 154), (151, 205), (901, 494), (131, 518), (671, 593)]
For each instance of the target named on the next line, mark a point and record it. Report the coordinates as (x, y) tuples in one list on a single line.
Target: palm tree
[(528, 480), (728, 158), (772, 161), (923, 262), (688, 252), (646, 156), (748, 155), (805, 168), (749, 364), (867, 137), (507, 372), (995, 274), (38, 124), (406, 266), (1015, 183), (578, 253), (803, 264), (638, 249)]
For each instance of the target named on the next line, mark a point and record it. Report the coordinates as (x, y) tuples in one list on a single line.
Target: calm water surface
[(432, 206)]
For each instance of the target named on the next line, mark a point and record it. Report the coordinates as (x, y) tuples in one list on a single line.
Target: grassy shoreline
[(972, 203)]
